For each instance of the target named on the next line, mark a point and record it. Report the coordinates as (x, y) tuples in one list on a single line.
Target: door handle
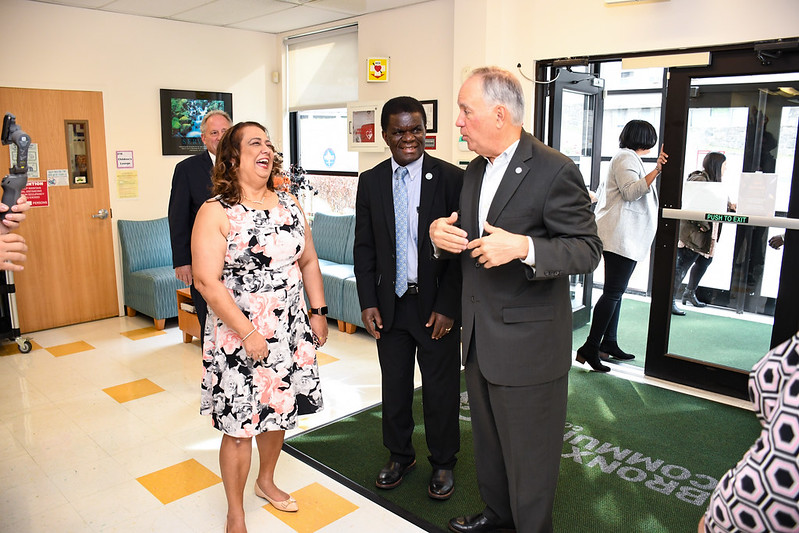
[(102, 213)]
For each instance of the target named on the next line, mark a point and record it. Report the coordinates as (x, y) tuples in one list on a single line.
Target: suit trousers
[(202, 311), (518, 442), (439, 364)]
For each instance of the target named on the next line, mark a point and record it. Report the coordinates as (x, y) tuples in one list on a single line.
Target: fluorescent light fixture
[(697, 59)]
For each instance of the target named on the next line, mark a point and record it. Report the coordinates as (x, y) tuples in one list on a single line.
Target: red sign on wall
[(37, 193)]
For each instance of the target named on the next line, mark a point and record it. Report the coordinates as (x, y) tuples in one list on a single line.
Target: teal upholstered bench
[(147, 275), (333, 238)]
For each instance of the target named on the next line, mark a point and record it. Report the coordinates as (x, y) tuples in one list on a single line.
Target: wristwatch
[(318, 310)]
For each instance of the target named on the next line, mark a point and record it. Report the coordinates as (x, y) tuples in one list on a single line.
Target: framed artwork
[(181, 115), (431, 110), (362, 134)]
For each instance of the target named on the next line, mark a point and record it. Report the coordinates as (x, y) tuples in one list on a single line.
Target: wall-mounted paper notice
[(58, 177), (757, 194), (708, 197)]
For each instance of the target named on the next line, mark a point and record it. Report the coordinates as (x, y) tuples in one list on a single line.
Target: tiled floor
[(100, 432)]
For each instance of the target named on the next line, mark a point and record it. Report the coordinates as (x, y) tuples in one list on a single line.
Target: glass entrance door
[(727, 237), (575, 130)]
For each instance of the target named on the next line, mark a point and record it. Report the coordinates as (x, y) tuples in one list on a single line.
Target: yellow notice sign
[(377, 69), (127, 184)]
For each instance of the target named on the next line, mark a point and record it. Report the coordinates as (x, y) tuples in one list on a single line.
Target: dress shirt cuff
[(530, 259), (436, 251)]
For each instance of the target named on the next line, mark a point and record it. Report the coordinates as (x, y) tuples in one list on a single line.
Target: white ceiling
[(270, 16)]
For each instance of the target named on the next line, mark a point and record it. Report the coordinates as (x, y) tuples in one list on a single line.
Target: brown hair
[(228, 156)]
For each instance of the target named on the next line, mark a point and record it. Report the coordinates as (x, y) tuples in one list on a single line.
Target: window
[(322, 76), (322, 141)]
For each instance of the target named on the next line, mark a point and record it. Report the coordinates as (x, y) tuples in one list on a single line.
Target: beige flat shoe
[(288, 506)]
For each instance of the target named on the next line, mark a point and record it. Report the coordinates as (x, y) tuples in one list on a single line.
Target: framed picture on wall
[(181, 115), (431, 110), (363, 128)]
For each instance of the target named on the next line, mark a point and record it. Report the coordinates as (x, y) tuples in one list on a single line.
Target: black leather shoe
[(676, 310), (476, 523), (391, 474), (442, 484)]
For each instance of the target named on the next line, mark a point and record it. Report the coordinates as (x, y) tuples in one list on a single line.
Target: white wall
[(508, 32), (418, 41), (129, 59)]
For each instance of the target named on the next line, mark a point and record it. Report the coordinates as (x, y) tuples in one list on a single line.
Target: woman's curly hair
[(228, 156)]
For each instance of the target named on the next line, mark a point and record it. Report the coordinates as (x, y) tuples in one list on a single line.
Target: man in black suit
[(525, 225), (191, 186), (410, 302)]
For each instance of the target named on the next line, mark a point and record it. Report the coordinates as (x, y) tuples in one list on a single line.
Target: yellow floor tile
[(319, 507), (133, 390), (323, 358), (12, 347), (69, 349), (142, 333), (178, 481)]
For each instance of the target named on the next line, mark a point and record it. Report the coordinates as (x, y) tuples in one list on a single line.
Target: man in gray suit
[(525, 224)]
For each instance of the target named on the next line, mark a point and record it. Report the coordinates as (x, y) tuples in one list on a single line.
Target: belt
[(413, 288)]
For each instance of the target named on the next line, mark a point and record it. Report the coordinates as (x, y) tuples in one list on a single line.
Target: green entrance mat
[(732, 342), (636, 458)]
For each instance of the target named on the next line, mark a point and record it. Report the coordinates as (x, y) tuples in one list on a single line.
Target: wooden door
[(69, 276)]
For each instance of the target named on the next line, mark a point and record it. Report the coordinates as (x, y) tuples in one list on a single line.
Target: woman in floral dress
[(252, 256)]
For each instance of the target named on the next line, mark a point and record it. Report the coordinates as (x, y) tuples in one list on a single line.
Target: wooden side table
[(187, 320)]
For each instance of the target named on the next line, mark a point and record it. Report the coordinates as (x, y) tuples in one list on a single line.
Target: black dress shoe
[(391, 474), (476, 523), (442, 484)]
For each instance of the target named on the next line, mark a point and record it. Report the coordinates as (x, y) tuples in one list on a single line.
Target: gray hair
[(210, 114), (501, 87)]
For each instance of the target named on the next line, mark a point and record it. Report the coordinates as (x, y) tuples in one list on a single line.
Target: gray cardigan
[(627, 209)]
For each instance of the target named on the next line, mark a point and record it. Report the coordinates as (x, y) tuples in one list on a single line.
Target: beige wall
[(508, 32), (129, 58), (418, 40)]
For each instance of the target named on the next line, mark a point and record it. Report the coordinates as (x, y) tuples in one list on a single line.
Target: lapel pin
[(518, 170), (428, 176)]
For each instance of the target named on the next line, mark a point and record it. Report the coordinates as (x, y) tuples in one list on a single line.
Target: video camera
[(15, 181)]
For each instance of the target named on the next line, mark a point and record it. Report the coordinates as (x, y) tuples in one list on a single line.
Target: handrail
[(732, 218)]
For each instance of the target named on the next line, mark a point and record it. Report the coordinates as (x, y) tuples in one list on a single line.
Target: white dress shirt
[(491, 180)]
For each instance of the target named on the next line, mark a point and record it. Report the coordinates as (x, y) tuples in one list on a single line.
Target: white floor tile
[(70, 454), (61, 518)]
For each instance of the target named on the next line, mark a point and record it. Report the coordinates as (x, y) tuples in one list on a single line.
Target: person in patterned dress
[(253, 256), (761, 492)]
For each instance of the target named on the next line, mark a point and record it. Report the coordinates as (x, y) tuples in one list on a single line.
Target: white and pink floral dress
[(246, 397)]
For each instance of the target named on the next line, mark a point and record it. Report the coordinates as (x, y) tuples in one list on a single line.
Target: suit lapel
[(430, 178), (516, 172), (470, 197), (386, 191)]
